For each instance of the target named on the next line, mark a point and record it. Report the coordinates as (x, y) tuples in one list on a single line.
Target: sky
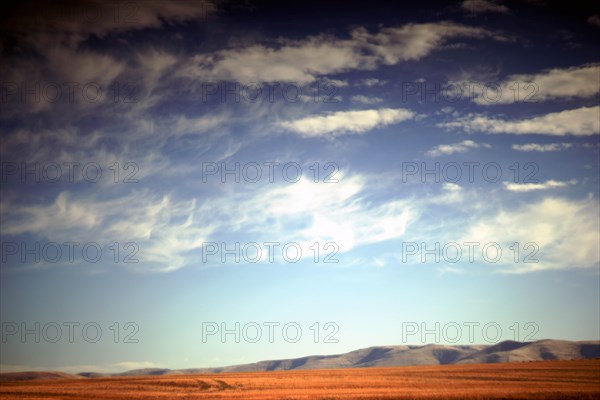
[(200, 184)]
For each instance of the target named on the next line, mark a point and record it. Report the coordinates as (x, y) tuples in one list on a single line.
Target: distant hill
[(35, 375), (388, 356), (379, 356)]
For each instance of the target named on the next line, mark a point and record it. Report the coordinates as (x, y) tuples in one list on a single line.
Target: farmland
[(577, 379)]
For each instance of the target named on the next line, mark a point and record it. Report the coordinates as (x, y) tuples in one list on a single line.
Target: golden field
[(577, 379)]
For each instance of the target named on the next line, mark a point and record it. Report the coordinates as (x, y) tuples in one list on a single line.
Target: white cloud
[(528, 187), (558, 83), (181, 125), (300, 63), (338, 83), (461, 147), (170, 234), (583, 121), (369, 82), (346, 122), (483, 6), (163, 229), (306, 212), (451, 193), (303, 61), (359, 98), (542, 147), (564, 234), (129, 365), (62, 214)]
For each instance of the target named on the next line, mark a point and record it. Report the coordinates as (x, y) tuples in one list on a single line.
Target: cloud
[(542, 147), (75, 21), (451, 193), (558, 83), (369, 82), (564, 234), (346, 122), (359, 98), (594, 20), (306, 212), (303, 61), (170, 234), (62, 214), (460, 147), (528, 187), (129, 365), (55, 56), (484, 6), (163, 229), (583, 121), (59, 75), (144, 143), (446, 269)]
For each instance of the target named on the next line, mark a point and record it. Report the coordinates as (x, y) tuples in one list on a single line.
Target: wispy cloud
[(346, 122), (484, 6), (564, 234), (303, 61), (129, 365), (336, 212), (558, 83), (77, 21), (446, 269), (370, 82), (528, 187), (461, 147), (594, 20), (542, 147), (583, 121), (165, 230), (359, 98)]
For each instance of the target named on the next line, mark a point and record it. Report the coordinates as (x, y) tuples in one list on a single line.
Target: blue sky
[(310, 178)]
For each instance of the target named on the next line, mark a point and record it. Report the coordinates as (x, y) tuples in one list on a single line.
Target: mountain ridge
[(375, 356)]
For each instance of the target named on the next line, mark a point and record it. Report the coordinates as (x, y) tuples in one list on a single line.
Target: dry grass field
[(578, 379)]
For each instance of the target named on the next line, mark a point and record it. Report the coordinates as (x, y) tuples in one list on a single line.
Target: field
[(578, 379)]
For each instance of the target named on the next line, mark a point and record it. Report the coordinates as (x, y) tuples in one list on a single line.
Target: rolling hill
[(379, 356)]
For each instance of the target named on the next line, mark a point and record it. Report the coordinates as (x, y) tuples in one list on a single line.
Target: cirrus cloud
[(461, 147), (528, 187), (582, 121), (542, 147), (346, 122), (303, 61)]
